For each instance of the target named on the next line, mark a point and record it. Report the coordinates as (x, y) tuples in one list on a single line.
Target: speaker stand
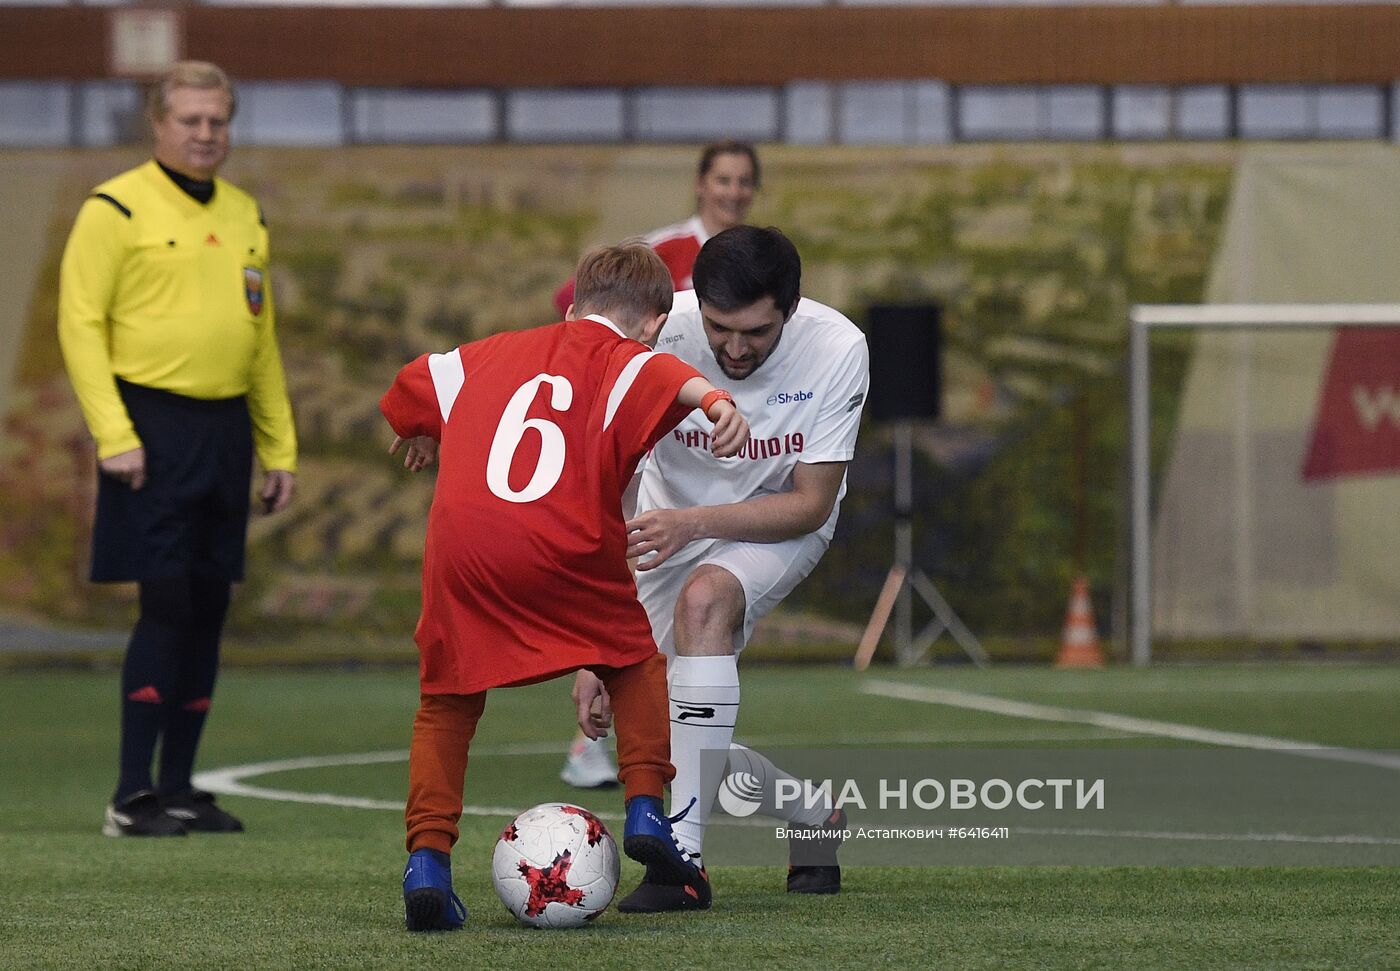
[(904, 579)]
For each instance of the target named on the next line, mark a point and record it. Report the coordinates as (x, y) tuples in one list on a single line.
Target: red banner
[(1357, 431)]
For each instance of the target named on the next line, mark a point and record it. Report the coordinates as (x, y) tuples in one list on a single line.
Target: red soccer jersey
[(525, 569), (677, 245)]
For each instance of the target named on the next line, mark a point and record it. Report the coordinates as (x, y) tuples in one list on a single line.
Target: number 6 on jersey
[(512, 429)]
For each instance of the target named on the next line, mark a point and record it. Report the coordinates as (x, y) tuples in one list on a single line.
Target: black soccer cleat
[(140, 814), (812, 866), (814, 879), (198, 812), (655, 897)]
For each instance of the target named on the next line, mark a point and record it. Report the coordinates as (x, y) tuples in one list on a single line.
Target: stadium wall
[(499, 47)]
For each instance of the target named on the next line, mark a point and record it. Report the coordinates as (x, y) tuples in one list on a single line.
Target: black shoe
[(812, 866), (196, 810), (814, 879), (140, 814), (655, 897)]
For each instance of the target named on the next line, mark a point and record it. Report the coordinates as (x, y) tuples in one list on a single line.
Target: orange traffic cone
[(1080, 646)]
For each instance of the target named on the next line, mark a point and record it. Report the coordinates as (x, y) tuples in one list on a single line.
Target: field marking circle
[(229, 782)]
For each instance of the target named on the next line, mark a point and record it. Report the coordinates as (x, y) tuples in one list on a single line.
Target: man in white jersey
[(723, 541)]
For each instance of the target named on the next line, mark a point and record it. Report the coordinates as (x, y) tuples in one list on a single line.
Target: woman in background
[(725, 183)]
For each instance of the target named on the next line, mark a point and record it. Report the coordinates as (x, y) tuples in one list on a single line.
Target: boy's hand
[(593, 705), (731, 431), (422, 451)]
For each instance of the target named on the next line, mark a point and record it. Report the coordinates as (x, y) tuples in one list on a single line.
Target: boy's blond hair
[(628, 281)]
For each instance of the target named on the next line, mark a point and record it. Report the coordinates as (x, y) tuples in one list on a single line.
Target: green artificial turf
[(314, 886)]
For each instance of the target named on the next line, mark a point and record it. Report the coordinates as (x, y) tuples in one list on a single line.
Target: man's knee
[(711, 600)]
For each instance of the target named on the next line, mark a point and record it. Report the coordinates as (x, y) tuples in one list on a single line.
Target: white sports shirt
[(803, 404)]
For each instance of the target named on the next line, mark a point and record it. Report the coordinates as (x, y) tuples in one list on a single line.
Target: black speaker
[(906, 375)]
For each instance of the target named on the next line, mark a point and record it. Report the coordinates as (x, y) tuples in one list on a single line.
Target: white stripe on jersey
[(448, 378), (623, 385), (690, 227)]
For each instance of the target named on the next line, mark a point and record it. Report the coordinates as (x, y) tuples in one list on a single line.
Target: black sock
[(149, 678), (198, 665)]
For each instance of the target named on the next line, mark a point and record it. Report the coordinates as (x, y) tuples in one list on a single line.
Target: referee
[(166, 323)]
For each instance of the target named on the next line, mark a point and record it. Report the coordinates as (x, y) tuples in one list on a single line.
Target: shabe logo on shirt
[(789, 397)]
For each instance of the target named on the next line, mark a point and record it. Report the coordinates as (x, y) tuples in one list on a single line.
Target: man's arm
[(274, 433), (762, 519), (92, 262), (269, 407)]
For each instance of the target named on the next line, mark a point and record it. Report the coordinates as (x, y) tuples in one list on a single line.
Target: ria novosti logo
[(790, 397), (740, 794)]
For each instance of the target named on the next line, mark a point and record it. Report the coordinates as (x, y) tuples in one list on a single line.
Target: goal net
[(1265, 509)]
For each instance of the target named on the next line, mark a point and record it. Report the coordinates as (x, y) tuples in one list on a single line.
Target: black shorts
[(191, 516)]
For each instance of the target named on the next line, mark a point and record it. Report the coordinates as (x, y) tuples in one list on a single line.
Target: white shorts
[(768, 572)]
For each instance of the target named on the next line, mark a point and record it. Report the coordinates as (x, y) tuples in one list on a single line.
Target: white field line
[(229, 781), (1125, 723)]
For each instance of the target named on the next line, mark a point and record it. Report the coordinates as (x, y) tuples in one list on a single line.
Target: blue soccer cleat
[(428, 901), (674, 879)]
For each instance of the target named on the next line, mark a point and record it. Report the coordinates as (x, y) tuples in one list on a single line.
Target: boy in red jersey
[(525, 571)]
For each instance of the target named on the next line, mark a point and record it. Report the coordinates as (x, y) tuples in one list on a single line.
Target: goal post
[(1144, 320)]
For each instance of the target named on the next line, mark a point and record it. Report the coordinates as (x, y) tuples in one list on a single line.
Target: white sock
[(704, 705), (811, 807)]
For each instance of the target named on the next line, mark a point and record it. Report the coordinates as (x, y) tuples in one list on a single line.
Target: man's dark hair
[(741, 266)]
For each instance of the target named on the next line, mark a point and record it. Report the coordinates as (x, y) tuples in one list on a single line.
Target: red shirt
[(524, 571), (677, 245)]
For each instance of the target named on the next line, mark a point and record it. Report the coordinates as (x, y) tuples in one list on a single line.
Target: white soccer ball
[(556, 865)]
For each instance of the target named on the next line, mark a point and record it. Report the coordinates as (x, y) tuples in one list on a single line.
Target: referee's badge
[(253, 289)]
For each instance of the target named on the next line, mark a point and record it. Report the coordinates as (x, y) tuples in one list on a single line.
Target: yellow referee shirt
[(163, 291)]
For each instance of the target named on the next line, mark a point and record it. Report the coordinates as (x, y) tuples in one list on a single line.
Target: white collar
[(606, 323), (697, 227)]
